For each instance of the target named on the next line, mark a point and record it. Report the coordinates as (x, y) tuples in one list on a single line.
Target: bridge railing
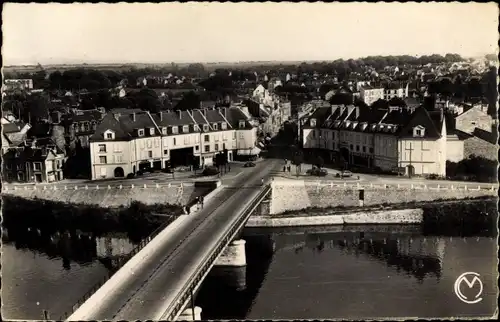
[(183, 296), (121, 261)]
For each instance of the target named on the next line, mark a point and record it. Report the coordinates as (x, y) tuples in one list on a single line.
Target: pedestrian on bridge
[(202, 200)]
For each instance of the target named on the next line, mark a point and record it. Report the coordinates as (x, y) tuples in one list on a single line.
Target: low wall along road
[(111, 196), (299, 195)]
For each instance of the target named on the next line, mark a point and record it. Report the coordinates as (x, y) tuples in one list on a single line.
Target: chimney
[(180, 114), (161, 116), (133, 116)]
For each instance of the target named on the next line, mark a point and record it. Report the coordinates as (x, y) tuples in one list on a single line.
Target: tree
[(147, 100), (189, 101)]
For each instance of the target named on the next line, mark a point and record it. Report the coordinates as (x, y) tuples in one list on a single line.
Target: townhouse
[(370, 94), (410, 141), (128, 141), (34, 161)]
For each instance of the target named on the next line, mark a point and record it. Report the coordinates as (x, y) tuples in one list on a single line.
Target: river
[(294, 273)]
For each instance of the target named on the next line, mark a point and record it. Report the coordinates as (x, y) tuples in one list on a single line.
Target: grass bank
[(51, 216)]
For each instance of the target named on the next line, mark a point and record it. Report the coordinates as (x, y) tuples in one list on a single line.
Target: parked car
[(249, 164), (130, 176), (210, 171), (346, 173), (315, 171)]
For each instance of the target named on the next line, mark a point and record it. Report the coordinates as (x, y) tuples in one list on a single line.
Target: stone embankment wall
[(298, 195), (113, 196), (400, 216)]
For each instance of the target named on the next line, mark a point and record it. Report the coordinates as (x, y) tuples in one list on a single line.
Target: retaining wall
[(112, 196), (298, 195), (400, 216)]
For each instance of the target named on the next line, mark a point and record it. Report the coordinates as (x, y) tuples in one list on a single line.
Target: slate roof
[(12, 127), (125, 126), (398, 122)]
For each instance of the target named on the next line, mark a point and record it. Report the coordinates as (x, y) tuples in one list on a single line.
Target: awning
[(253, 151)]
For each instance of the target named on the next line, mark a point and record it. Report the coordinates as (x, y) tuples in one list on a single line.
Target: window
[(103, 159), (351, 146), (175, 129), (164, 130), (357, 147), (149, 144), (207, 148), (242, 135), (103, 172), (185, 128), (102, 147), (206, 138), (175, 141), (214, 126), (165, 152), (241, 124), (150, 154), (234, 135), (196, 128), (418, 132), (217, 137), (205, 127), (9, 166), (118, 158), (223, 146), (224, 136), (196, 147), (216, 147), (109, 136), (19, 166), (151, 131), (223, 125), (117, 148), (140, 132), (157, 142), (36, 165), (364, 149)]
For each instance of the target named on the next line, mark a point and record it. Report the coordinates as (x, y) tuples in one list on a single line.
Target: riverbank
[(479, 215), (135, 218)]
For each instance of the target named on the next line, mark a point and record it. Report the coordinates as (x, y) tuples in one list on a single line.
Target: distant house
[(13, 133)]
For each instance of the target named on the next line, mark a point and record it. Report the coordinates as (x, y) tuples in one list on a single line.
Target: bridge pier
[(188, 314), (234, 255)]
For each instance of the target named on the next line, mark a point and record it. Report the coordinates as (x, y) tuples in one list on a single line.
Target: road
[(156, 281)]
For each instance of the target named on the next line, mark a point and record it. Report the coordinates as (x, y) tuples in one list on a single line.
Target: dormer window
[(185, 128), (223, 125), (151, 131), (175, 129), (205, 127), (164, 130), (196, 128), (109, 135), (313, 122), (214, 126), (140, 132), (418, 131), (241, 124)]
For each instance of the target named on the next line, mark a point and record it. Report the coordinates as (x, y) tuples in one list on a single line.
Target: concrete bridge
[(160, 281)]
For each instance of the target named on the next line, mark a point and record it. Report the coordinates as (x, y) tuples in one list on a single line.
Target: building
[(369, 94), (394, 139), (17, 84), (126, 141), (13, 132), (392, 90), (35, 161), (80, 125)]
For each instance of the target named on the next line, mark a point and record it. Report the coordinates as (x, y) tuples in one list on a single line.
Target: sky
[(230, 32)]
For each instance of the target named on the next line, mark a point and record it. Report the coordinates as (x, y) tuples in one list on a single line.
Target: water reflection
[(36, 264), (356, 273)]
